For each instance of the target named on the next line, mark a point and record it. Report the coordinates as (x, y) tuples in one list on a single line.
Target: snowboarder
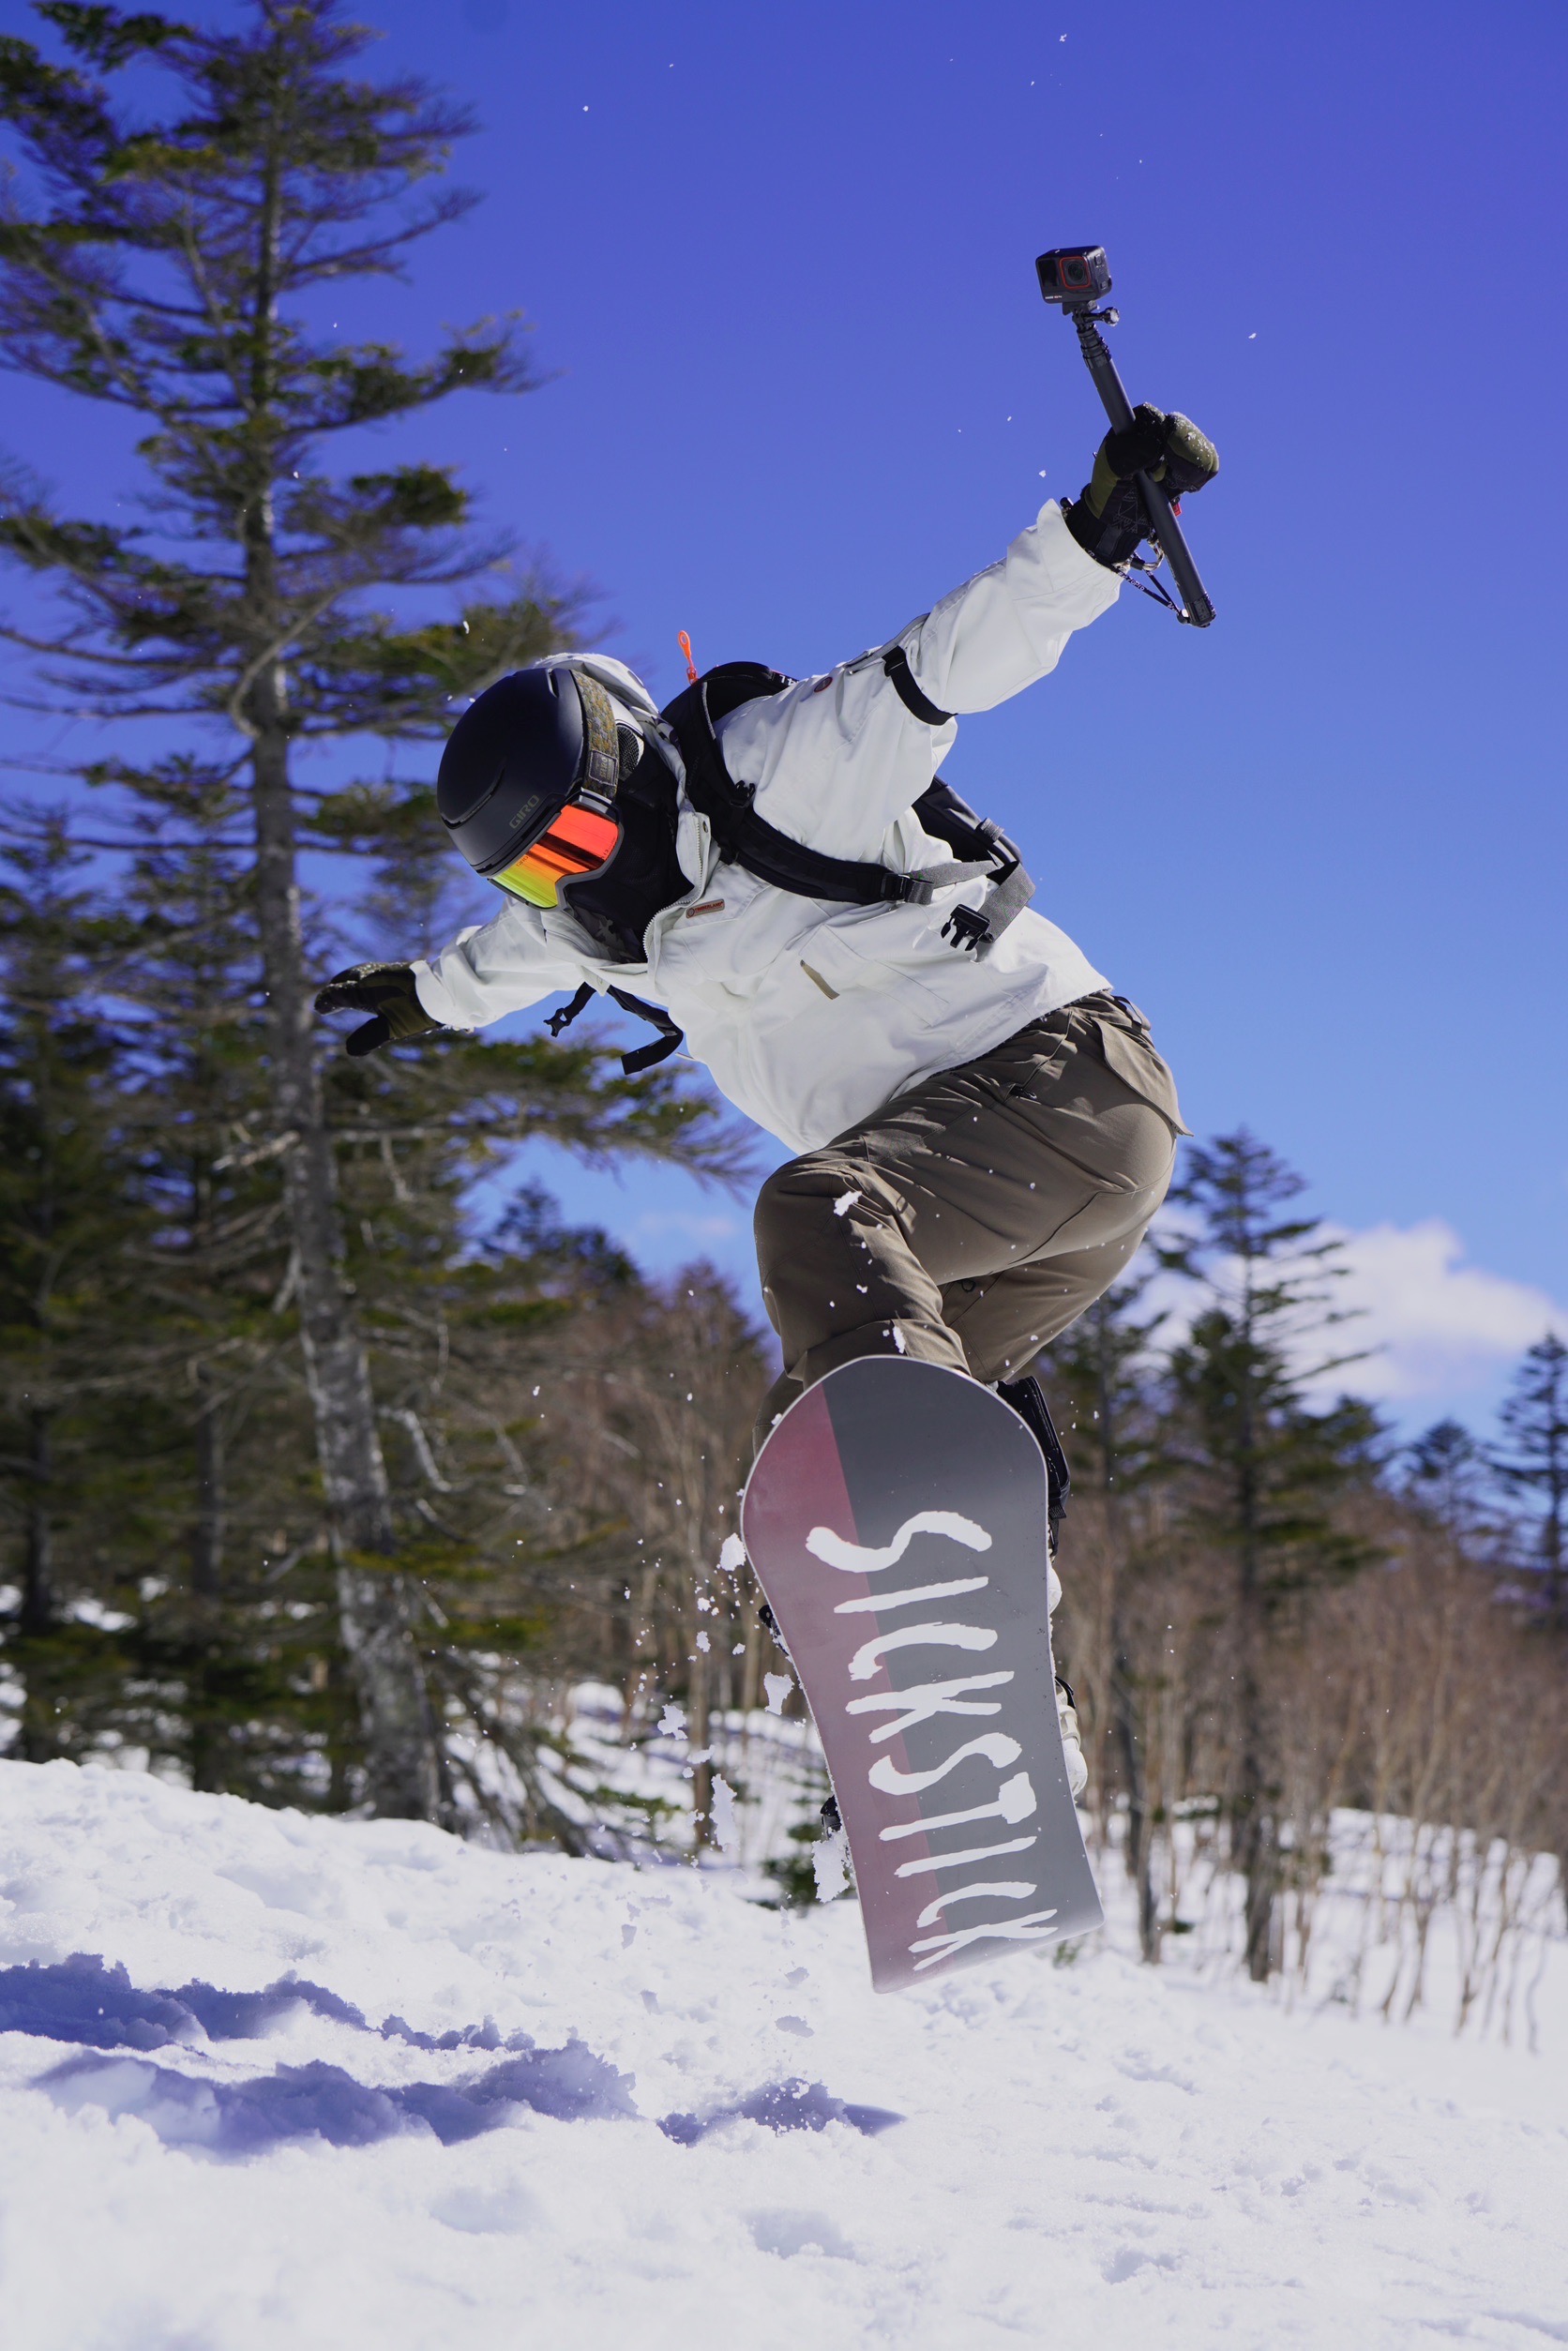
[(984, 1129)]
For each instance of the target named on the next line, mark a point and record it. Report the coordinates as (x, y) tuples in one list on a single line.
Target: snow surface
[(581, 2103)]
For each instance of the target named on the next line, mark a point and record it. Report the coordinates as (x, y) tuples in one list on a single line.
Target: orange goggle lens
[(578, 842)]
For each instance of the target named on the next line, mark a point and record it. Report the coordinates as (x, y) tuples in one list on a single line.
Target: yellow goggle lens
[(576, 842)]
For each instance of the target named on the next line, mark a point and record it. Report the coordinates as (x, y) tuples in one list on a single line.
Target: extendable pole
[(1197, 608)]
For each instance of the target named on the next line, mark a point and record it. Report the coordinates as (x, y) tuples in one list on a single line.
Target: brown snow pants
[(971, 1220)]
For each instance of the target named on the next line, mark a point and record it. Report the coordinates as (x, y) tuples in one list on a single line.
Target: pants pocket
[(1025, 1067), (1131, 1056)]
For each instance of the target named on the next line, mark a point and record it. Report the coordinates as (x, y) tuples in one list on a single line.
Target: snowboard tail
[(897, 1522)]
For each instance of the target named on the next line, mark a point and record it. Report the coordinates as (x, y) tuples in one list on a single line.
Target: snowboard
[(897, 1521)]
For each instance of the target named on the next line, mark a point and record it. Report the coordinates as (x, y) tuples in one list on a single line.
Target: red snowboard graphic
[(895, 1519)]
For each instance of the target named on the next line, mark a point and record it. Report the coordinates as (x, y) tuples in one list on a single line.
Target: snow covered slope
[(674, 2130)]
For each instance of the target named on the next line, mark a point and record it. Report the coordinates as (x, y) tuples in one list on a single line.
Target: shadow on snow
[(99, 2008)]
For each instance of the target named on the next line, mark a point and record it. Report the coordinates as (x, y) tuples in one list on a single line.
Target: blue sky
[(780, 264)]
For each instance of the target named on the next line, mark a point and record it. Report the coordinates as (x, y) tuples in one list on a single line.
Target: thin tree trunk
[(207, 1549), (698, 1732), (751, 1663), (38, 1567), (37, 1741), (1141, 1841), (377, 1605), (1124, 1706), (1255, 1836), (206, 1591)]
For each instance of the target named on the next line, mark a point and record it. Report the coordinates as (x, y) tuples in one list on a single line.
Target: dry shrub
[(1418, 1726)]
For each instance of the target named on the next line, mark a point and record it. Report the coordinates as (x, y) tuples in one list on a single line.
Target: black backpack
[(743, 838)]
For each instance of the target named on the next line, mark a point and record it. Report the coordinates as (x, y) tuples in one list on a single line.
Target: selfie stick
[(1074, 276)]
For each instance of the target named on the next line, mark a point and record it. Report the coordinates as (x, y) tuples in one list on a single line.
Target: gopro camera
[(1073, 275)]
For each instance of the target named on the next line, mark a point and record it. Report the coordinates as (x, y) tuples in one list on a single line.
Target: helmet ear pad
[(512, 759)]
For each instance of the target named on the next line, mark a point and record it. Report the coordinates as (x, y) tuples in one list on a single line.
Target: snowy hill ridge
[(631, 2104)]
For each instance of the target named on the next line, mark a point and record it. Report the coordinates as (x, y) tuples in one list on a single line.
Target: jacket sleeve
[(494, 969), (1008, 625), (836, 760)]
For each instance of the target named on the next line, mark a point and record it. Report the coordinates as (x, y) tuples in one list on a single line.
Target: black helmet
[(527, 746)]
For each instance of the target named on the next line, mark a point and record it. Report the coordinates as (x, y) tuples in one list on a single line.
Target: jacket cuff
[(1071, 564), (435, 999)]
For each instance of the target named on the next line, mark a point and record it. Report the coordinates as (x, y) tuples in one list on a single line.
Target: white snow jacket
[(810, 1015)]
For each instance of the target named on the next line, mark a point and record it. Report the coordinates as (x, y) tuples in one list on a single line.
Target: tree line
[(1274, 1610), (231, 1260)]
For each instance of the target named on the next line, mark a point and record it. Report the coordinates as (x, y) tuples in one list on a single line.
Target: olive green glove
[(385, 989), (1108, 519)]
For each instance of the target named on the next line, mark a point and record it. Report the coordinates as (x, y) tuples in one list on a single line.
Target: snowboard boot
[(1072, 1746), (1027, 1400)]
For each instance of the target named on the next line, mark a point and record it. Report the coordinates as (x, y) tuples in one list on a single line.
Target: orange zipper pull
[(685, 643)]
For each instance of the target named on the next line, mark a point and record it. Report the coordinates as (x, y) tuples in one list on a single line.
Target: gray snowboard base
[(896, 1520)]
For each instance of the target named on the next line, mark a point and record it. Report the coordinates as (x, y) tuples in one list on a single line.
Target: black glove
[(1108, 519), (385, 989)]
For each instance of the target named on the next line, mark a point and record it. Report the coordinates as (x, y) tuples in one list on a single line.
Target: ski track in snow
[(1090, 2153)]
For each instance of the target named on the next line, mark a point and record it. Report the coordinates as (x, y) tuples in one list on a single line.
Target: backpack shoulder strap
[(748, 841), (729, 685)]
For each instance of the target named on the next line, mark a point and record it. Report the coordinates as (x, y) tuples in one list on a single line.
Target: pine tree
[(1267, 1468), (72, 1211), (1446, 1475), (532, 1389), (170, 264), (1534, 1418), (245, 1693), (1103, 1364), (232, 1668)]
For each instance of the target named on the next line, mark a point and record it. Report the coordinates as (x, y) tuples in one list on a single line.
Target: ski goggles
[(576, 841)]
